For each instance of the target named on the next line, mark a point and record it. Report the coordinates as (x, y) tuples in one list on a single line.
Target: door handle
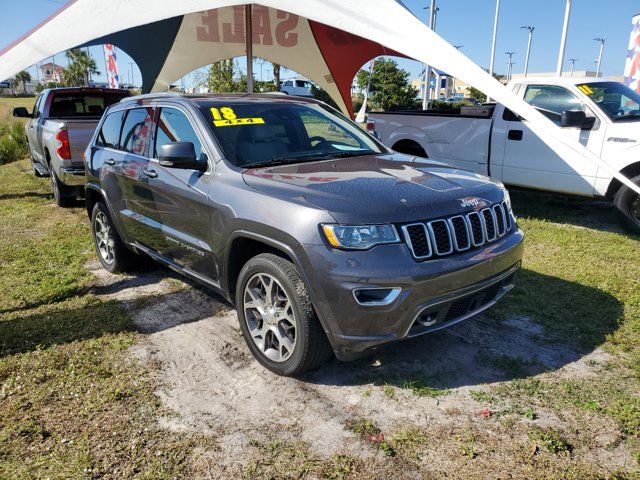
[(110, 161), (515, 135), (150, 173)]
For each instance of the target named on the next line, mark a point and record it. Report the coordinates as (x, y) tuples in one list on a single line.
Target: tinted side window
[(552, 100), (110, 131), (174, 126), (136, 129), (35, 107)]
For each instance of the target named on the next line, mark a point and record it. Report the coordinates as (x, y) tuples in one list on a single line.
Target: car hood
[(385, 188)]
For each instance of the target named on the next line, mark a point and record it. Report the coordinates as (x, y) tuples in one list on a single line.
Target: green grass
[(73, 401), (7, 104)]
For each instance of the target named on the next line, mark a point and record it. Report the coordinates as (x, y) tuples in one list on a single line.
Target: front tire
[(627, 202), (112, 252), (277, 319)]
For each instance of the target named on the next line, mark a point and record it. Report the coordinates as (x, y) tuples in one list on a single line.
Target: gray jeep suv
[(325, 240)]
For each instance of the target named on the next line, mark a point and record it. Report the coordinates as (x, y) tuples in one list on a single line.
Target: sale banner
[(632, 67), (112, 66)]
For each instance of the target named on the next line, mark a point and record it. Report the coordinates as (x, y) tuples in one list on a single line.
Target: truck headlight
[(359, 237)]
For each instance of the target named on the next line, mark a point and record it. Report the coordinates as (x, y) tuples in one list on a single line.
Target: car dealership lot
[(114, 376)]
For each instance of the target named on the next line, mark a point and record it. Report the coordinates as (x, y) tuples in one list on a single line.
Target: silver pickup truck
[(61, 124)]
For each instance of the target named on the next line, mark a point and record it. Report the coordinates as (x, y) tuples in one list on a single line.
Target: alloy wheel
[(54, 187), (634, 208), (104, 237), (270, 318)]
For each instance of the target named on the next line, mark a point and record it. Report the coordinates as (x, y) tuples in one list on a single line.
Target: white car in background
[(490, 140), (298, 87)]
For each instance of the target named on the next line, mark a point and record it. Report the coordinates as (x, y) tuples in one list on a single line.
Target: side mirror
[(21, 112), (180, 155), (573, 118)]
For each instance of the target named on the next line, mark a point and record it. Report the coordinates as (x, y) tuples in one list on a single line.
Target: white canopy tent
[(335, 37)]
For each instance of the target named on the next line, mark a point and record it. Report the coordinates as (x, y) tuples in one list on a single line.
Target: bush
[(13, 142)]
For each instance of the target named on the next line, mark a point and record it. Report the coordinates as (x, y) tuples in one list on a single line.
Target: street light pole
[(526, 62), (573, 63), (563, 40), (427, 71), (510, 65), (493, 41), (599, 60)]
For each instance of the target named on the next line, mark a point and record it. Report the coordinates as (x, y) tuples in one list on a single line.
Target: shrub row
[(13, 143)]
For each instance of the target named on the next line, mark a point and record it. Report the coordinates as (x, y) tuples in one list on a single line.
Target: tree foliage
[(390, 88), (81, 65), (21, 79)]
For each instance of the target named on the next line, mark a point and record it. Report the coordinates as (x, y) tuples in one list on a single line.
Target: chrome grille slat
[(457, 241), (410, 241), (458, 233), (435, 236), (501, 221)]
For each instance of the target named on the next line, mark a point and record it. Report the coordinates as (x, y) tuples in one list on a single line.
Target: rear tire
[(63, 195), (113, 254), (277, 319), (627, 202)]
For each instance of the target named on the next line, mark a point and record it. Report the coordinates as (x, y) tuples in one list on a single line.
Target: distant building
[(51, 72)]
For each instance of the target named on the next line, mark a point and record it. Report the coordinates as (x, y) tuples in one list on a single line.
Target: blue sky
[(461, 22)]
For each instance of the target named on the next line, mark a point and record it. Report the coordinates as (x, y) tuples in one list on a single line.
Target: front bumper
[(434, 294), (72, 176)]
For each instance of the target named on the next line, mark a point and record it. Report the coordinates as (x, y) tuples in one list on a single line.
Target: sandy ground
[(212, 384)]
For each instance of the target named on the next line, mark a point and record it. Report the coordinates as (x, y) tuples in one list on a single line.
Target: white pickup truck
[(58, 131), (603, 115)]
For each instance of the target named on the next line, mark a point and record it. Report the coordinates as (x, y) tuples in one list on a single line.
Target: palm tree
[(22, 78), (80, 66), (276, 76)]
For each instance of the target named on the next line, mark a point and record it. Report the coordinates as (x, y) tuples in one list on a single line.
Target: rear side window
[(135, 131), (174, 126), (110, 131)]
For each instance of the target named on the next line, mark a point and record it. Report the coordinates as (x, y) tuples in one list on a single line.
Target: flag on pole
[(632, 67), (112, 67)]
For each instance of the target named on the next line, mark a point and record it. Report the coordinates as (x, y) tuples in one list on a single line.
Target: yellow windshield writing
[(226, 117)]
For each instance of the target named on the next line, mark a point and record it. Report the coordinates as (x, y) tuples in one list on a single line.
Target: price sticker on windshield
[(226, 117), (586, 89)]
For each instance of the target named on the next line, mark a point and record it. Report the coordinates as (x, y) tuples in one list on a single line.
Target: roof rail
[(151, 95)]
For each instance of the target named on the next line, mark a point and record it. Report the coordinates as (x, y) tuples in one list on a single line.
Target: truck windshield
[(618, 101), (82, 104), (255, 133)]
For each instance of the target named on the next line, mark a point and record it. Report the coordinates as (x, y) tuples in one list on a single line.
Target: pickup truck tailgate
[(80, 132)]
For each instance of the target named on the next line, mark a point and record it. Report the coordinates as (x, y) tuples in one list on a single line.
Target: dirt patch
[(211, 384)]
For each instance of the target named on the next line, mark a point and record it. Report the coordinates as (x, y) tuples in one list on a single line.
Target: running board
[(41, 169)]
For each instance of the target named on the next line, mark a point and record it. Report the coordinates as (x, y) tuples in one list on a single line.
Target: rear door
[(181, 195), (529, 162), (138, 210)]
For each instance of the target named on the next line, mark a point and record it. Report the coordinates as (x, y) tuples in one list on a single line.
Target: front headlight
[(359, 237)]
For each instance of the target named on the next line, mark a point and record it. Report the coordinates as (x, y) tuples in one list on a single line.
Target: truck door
[(529, 162), (181, 196), (34, 132)]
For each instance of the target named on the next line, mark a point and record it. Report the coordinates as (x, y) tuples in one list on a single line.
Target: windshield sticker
[(586, 89), (226, 117)]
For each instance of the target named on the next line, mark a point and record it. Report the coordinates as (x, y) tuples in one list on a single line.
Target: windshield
[(83, 104), (618, 101), (256, 133)]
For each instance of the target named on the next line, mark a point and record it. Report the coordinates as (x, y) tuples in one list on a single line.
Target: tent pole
[(249, 42)]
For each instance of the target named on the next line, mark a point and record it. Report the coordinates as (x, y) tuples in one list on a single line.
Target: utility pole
[(457, 47), (131, 79), (248, 14), (493, 42), (526, 62), (427, 71), (573, 63), (563, 40), (510, 65), (599, 60)]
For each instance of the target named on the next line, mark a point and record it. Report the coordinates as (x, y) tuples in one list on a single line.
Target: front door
[(181, 197), (529, 162)]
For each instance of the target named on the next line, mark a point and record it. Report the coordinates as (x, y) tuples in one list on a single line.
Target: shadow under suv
[(325, 240)]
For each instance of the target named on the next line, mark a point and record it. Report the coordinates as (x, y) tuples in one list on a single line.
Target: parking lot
[(114, 376)]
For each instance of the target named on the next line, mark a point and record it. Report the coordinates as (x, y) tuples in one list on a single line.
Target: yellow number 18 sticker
[(226, 117)]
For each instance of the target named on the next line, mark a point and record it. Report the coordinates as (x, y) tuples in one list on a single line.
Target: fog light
[(376, 297)]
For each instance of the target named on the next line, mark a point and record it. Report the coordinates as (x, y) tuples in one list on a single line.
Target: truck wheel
[(112, 252), (62, 195), (627, 202), (277, 319)]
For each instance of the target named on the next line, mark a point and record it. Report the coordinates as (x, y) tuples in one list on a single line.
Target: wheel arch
[(410, 147), (630, 171)]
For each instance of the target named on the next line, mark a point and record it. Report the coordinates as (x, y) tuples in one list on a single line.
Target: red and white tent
[(325, 40)]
